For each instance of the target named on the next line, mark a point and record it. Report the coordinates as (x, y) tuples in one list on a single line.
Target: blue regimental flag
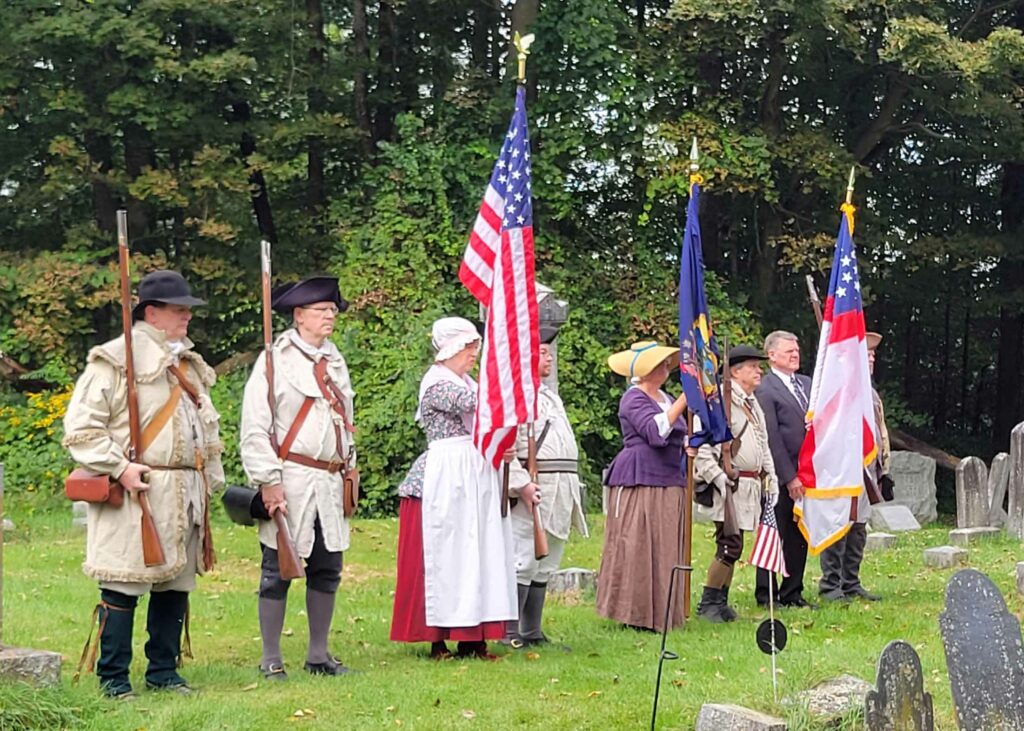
[(699, 357)]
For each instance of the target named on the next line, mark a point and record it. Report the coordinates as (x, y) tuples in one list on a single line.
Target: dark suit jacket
[(785, 421)]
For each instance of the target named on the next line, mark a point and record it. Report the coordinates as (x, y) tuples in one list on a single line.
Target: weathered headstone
[(880, 541), (37, 667), (971, 493), (944, 557), (572, 579), (970, 536), (892, 518), (8, 525), (833, 698), (79, 514), (914, 477), (1020, 578), (727, 717), (1015, 526), (984, 655), (998, 482), (899, 703)]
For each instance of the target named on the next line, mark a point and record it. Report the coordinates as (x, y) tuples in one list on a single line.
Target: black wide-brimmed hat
[(742, 353), (166, 287), (548, 333), (312, 289)]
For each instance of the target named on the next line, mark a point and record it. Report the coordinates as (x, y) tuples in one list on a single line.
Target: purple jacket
[(647, 458)]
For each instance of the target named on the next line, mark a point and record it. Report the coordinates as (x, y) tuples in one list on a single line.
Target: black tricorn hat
[(312, 289), (548, 333), (743, 353), (164, 286)]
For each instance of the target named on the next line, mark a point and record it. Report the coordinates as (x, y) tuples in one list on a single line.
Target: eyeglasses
[(322, 309)]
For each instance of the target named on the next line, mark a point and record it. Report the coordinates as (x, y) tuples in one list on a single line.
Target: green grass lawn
[(606, 681)]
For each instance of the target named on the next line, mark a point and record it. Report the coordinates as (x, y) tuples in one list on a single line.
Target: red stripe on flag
[(847, 325), (805, 469)]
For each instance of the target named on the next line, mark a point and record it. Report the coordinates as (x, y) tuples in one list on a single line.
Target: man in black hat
[(297, 448), (750, 478), (561, 502), (177, 466)]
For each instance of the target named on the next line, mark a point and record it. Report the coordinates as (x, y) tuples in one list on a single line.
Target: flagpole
[(771, 617)]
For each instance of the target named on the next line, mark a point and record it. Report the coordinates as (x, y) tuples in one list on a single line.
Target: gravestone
[(892, 518), (944, 557), (79, 514), (971, 493), (998, 482), (572, 579), (1015, 526), (899, 702), (1020, 578), (833, 698), (37, 667), (880, 541), (914, 477), (984, 655), (970, 536), (727, 717)]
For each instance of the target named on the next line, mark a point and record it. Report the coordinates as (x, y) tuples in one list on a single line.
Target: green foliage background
[(358, 138)]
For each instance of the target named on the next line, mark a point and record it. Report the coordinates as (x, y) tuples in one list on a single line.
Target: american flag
[(767, 553), (498, 269), (840, 438)]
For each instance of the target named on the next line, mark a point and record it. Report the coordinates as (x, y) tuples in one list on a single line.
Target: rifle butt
[(540, 536), (152, 548), (288, 562)]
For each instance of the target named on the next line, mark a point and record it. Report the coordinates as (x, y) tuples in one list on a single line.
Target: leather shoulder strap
[(160, 419), (179, 372), (293, 431)]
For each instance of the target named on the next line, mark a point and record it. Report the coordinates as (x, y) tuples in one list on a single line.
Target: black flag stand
[(664, 654)]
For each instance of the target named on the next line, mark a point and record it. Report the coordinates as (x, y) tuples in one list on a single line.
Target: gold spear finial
[(522, 44), (849, 185)]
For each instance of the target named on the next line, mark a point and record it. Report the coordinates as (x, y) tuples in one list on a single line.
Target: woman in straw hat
[(643, 540), (456, 578)]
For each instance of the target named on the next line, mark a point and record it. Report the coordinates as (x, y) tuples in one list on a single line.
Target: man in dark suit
[(783, 395)]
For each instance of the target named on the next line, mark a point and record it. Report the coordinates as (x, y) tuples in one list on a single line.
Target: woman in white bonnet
[(455, 558)]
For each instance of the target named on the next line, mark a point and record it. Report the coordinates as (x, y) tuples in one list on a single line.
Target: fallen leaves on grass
[(468, 714)]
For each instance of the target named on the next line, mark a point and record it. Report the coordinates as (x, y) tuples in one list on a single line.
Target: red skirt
[(409, 617)]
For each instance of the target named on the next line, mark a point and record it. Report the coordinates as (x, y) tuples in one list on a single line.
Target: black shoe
[(274, 671), (731, 615), (118, 691), (834, 595), (862, 593), (181, 688), (799, 602), (712, 606), (331, 667)]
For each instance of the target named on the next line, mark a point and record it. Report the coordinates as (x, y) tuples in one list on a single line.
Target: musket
[(540, 536), (729, 525), (812, 294), (152, 548), (288, 562)]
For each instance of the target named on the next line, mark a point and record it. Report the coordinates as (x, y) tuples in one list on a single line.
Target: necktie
[(798, 391)]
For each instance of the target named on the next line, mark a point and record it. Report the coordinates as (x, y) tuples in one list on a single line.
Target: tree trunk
[(361, 81), (1011, 323), (138, 155), (241, 114), (387, 72), (317, 101), (104, 202), (947, 346), (965, 362)]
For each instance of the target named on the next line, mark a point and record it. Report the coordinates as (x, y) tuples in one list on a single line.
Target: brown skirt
[(643, 540)]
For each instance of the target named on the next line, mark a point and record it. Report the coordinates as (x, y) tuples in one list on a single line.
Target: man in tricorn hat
[(296, 448), (178, 464), (560, 507), (840, 562), (751, 481)]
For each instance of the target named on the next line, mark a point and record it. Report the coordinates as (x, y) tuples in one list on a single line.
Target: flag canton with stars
[(511, 176), (844, 285)]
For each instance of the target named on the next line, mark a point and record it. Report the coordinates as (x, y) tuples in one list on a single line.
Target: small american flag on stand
[(767, 553), (498, 269)]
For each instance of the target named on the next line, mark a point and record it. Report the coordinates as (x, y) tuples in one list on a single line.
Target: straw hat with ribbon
[(640, 359)]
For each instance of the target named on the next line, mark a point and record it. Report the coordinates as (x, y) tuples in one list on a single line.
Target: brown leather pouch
[(350, 497), (91, 487)]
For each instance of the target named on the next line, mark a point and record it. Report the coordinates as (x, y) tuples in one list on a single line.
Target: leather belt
[(172, 467), (751, 475), (317, 464), (554, 465)]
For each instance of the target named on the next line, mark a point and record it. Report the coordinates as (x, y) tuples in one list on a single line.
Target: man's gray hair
[(772, 341)]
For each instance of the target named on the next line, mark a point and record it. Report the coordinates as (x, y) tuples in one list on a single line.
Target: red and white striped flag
[(840, 440), (498, 269), (767, 553)]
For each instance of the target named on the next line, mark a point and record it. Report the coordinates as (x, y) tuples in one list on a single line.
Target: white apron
[(467, 547)]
